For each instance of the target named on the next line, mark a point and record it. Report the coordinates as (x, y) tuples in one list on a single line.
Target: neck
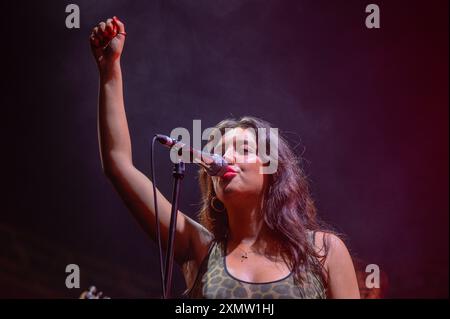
[(245, 222)]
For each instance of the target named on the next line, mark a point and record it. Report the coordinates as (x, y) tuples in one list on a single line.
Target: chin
[(229, 189)]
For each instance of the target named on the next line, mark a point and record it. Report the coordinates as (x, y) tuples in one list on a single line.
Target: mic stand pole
[(178, 174)]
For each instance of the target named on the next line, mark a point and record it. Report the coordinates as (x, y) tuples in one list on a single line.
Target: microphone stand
[(178, 175), (214, 165)]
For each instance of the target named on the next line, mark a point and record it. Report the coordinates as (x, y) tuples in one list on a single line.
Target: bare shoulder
[(338, 265), (330, 247), (329, 240)]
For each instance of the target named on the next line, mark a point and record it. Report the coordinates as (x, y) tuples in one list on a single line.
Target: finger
[(102, 35), (94, 40), (110, 28), (120, 25), (99, 33), (102, 28)]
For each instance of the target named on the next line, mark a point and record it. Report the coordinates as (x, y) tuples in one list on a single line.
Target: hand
[(107, 40)]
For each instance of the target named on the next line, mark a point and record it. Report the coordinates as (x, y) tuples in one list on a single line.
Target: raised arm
[(107, 42)]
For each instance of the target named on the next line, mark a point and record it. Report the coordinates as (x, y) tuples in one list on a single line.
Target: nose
[(230, 156)]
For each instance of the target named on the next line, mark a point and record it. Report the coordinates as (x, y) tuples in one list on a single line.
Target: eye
[(218, 149), (244, 150)]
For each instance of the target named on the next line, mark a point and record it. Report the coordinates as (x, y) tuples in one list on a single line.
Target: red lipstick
[(230, 173)]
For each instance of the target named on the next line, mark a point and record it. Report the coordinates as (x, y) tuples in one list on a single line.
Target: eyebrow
[(244, 140), (220, 146)]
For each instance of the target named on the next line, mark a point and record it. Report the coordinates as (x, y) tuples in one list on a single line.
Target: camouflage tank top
[(213, 281)]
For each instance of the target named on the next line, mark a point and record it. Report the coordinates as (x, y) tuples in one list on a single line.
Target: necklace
[(244, 255)]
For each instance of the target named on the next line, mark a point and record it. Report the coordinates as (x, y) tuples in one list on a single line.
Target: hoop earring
[(220, 208)]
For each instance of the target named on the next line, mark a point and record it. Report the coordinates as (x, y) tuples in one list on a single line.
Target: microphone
[(215, 165)]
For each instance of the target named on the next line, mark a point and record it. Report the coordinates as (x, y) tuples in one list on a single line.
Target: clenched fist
[(107, 41)]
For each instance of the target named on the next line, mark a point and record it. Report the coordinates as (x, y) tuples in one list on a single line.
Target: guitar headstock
[(93, 293)]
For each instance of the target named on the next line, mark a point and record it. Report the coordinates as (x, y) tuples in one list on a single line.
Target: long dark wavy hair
[(288, 209)]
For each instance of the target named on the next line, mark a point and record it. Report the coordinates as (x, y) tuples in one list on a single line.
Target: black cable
[(158, 230)]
